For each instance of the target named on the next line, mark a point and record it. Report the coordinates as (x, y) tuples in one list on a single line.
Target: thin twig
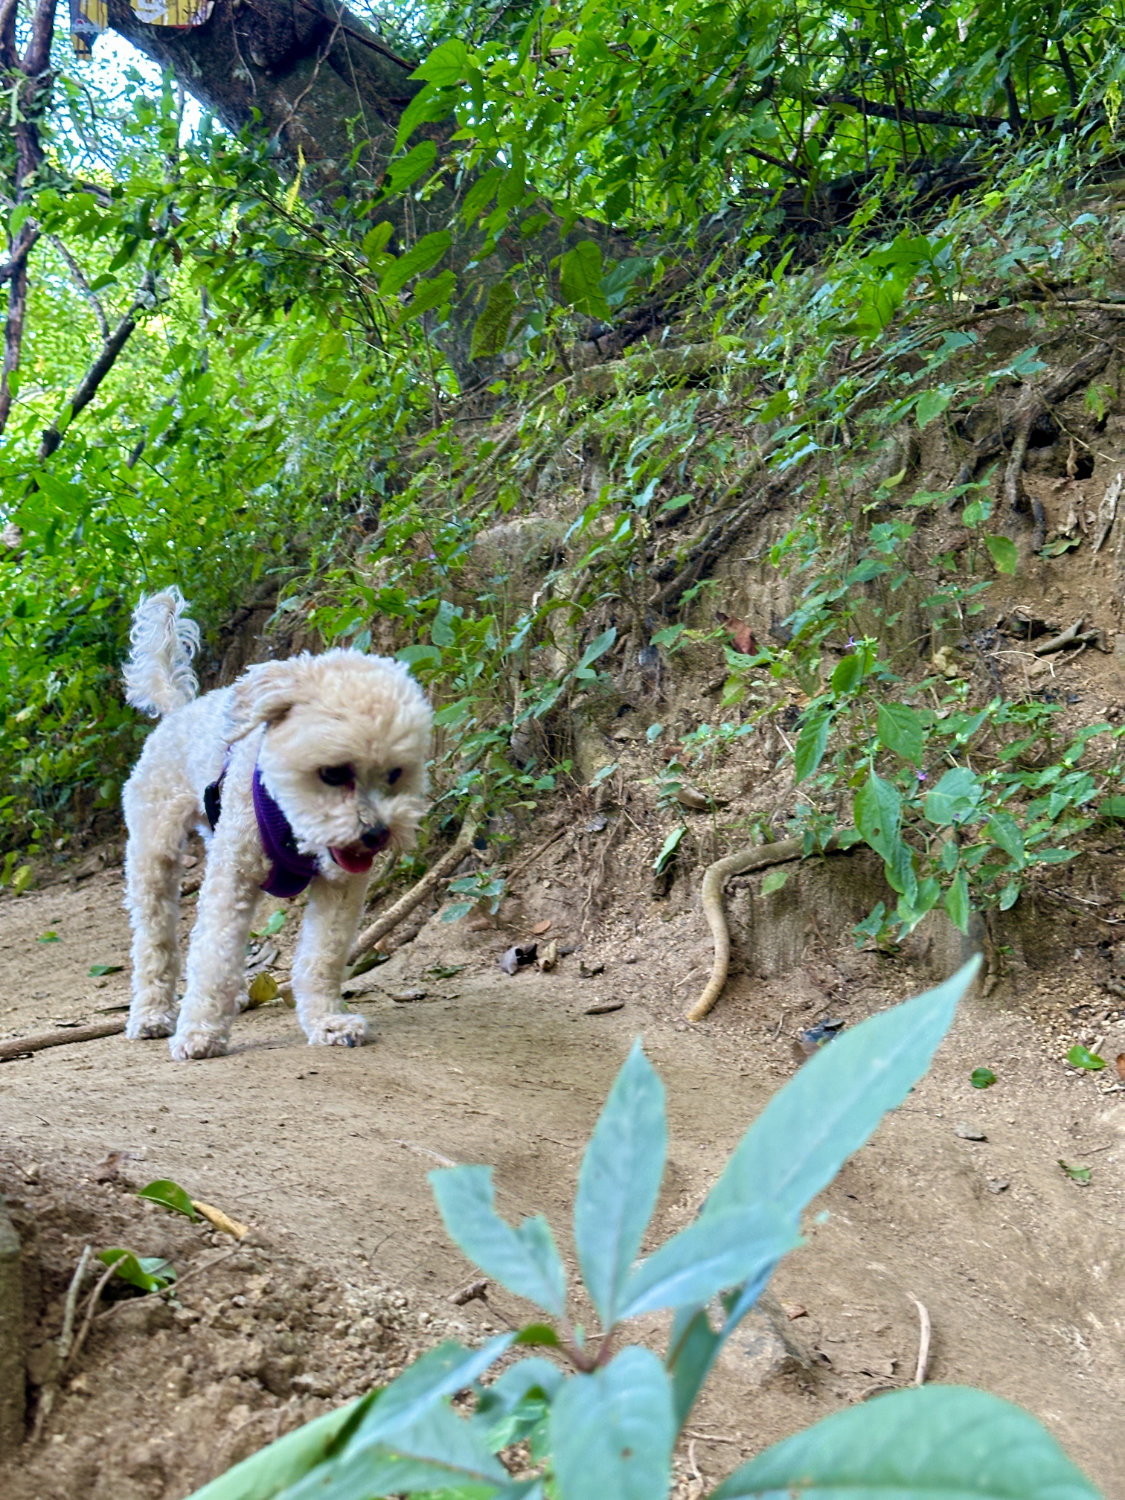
[(923, 1341), (71, 1304), (91, 1304), (173, 1286)]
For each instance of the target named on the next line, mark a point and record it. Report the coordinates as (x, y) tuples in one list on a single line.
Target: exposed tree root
[(1035, 408), (417, 893), (752, 857)]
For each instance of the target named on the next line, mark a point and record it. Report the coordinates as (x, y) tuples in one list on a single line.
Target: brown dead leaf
[(741, 636), (109, 1168), (1121, 1066), (541, 926)]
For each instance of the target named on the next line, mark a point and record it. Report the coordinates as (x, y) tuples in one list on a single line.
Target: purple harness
[(290, 871)]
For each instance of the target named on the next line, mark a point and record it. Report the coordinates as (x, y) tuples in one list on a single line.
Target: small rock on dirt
[(763, 1348), (970, 1133)]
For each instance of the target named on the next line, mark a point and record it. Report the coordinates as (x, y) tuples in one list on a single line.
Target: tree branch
[(916, 116), (78, 276), (88, 386), (24, 244), (13, 337)]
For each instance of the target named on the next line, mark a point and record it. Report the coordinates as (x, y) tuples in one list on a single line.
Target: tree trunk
[(310, 73)]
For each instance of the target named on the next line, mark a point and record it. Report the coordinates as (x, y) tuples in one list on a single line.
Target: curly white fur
[(291, 719), (158, 675)]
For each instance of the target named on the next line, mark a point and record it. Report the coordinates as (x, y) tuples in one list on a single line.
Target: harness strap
[(290, 871)]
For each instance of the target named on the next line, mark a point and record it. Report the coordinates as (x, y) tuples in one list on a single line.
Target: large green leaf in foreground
[(934, 1443)]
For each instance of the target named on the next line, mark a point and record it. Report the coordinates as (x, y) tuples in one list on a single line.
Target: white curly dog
[(304, 769)]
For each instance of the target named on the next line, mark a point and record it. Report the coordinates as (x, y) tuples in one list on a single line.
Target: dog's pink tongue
[(355, 861)]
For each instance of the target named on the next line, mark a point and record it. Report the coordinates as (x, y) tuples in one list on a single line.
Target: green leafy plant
[(149, 1273), (1081, 1057), (170, 1194), (601, 1417)]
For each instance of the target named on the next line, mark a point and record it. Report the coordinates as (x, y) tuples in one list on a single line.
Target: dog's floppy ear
[(262, 695)]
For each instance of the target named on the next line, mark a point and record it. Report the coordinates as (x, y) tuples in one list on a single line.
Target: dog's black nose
[(376, 836)]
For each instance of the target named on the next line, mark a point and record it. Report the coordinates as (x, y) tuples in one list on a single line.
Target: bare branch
[(9, 57), (24, 244), (916, 116), (13, 337), (78, 276), (88, 386)]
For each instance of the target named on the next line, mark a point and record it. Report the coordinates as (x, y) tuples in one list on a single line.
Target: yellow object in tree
[(89, 18)]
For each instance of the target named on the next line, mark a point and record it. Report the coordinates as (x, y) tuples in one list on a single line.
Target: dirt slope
[(325, 1153)]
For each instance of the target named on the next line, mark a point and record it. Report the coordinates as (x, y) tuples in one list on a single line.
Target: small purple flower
[(921, 775)]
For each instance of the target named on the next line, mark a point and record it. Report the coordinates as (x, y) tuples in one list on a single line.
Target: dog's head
[(344, 749)]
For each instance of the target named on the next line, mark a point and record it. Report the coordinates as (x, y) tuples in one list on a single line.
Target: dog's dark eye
[(392, 776), (337, 775)]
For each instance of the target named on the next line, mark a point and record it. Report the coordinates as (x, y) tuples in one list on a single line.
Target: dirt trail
[(326, 1151)]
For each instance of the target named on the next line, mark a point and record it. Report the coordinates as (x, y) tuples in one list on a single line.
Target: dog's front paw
[(197, 1041), (144, 1028), (338, 1031)]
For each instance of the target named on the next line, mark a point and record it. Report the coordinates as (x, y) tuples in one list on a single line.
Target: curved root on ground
[(417, 893), (752, 857)]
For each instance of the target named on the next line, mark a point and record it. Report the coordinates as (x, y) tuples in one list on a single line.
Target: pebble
[(970, 1133)]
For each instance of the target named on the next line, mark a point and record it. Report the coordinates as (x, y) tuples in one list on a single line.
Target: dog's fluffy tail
[(158, 674)]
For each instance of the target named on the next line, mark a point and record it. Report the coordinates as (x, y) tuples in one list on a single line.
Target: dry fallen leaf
[(1121, 1066), (690, 796), (221, 1220), (263, 988), (541, 926), (548, 958), (741, 636)]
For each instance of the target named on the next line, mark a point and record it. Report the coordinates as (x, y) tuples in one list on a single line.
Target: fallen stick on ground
[(923, 1341), (752, 857), (17, 1046), (418, 893), (1057, 642)]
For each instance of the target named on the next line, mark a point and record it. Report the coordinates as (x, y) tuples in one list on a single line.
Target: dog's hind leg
[(327, 933), (216, 961), (153, 869)]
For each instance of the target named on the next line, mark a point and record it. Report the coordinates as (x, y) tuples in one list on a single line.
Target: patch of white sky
[(116, 65)]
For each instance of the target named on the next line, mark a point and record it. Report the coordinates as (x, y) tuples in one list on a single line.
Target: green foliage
[(149, 1273), (163, 1190), (610, 1423)]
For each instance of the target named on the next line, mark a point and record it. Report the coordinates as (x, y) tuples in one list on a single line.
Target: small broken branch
[(1107, 511), (91, 1304), (20, 1046), (1057, 642), (752, 857), (418, 893)]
